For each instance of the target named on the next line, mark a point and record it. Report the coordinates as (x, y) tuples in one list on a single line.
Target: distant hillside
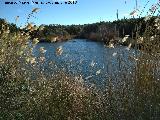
[(100, 31)]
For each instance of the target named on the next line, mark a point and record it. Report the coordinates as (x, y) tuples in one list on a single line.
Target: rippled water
[(92, 60)]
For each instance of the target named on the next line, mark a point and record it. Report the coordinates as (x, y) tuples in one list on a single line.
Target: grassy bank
[(132, 95)]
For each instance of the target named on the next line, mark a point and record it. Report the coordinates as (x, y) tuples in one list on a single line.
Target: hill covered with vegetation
[(100, 31)]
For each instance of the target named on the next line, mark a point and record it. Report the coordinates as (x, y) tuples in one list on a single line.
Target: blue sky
[(85, 11)]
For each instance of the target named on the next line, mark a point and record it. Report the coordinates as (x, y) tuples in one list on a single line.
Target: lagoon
[(91, 60)]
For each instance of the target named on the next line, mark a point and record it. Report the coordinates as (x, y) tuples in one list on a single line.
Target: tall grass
[(135, 96)]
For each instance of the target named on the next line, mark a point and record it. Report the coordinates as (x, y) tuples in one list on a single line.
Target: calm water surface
[(92, 60)]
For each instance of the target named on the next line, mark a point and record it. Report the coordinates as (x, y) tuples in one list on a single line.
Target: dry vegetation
[(135, 96)]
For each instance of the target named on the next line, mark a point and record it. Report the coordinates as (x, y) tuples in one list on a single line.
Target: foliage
[(102, 31), (134, 95)]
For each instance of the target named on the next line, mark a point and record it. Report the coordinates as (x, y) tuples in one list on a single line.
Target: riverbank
[(51, 39), (128, 92), (60, 95)]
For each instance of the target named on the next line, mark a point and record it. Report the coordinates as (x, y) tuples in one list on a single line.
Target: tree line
[(100, 31)]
